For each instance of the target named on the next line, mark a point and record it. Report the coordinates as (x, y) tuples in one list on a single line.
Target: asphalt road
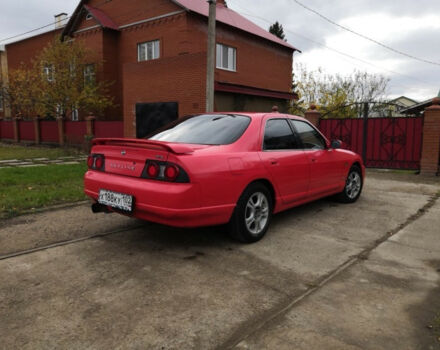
[(327, 275)]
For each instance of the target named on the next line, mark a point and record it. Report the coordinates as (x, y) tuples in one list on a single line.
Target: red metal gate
[(392, 143)]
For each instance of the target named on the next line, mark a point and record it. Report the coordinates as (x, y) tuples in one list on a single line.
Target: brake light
[(171, 172), (96, 162), (90, 161), (164, 171), (153, 170), (99, 162)]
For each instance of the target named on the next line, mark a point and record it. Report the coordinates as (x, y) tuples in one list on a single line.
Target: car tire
[(252, 214), (353, 186)]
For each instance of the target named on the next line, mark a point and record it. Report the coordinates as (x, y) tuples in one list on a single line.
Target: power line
[(31, 31), (366, 37), (47, 25), (340, 52)]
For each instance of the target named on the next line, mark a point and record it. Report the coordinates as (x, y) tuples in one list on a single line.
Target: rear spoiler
[(170, 147)]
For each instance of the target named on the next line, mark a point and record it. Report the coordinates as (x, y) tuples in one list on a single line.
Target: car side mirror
[(336, 144)]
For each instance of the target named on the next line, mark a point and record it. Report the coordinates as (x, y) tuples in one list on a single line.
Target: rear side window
[(310, 138), (278, 135), (205, 129)]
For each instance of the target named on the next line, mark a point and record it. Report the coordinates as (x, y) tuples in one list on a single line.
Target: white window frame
[(143, 50), (231, 62), (89, 16), (89, 74), (75, 115), (48, 71)]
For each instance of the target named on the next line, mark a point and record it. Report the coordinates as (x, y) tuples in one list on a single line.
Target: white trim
[(152, 19), (88, 28)]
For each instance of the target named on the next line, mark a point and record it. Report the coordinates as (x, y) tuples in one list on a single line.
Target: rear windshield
[(205, 129)]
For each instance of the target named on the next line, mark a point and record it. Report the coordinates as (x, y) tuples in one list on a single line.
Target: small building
[(392, 108), (155, 53), (417, 109)]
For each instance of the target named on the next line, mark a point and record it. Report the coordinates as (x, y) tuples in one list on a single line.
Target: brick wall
[(26, 50), (175, 79), (260, 63), (431, 140)]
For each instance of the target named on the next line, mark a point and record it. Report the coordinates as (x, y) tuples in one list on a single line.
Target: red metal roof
[(232, 18), (101, 17)]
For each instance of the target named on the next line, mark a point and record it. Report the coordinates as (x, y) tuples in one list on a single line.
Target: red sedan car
[(210, 169)]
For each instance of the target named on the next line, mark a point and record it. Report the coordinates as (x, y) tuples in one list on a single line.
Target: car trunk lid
[(128, 156)]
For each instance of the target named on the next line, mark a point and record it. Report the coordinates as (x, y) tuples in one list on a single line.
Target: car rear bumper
[(173, 204)]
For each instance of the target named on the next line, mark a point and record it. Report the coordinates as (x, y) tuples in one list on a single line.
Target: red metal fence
[(6, 130), (49, 130), (109, 129), (393, 143)]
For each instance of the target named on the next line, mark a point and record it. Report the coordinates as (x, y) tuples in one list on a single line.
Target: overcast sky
[(411, 26)]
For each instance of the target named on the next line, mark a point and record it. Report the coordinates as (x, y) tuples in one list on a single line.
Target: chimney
[(222, 2), (60, 20)]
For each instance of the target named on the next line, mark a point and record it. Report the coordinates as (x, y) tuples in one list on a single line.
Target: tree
[(337, 96), (59, 82), (278, 30), (21, 92)]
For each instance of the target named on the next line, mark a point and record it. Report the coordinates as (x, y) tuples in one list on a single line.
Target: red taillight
[(99, 162), (90, 161), (171, 172), (153, 170), (96, 162), (164, 171)]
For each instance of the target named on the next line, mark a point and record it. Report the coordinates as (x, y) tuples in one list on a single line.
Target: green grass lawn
[(8, 151), (27, 189)]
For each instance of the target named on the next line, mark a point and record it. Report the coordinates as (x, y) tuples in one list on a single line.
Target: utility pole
[(210, 67)]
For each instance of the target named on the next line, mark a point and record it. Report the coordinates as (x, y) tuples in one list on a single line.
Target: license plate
[(116, 200)]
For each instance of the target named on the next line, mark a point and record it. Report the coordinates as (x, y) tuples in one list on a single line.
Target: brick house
[(155, 53)]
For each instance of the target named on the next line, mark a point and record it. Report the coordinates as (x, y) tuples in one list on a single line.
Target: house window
[(89, 16), (226, 57), (149, 51), (89, 74), (48, 71), (75, 114)]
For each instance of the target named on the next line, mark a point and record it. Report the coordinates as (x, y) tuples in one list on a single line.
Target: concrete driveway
[(327, 276)]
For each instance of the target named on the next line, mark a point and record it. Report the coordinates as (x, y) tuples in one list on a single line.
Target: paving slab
[(32, 165)]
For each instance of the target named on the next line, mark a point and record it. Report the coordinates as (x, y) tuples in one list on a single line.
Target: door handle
[(273, 161), (313, 160)]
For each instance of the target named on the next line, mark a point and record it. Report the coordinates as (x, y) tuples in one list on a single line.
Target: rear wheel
[(353, 186), (252, 215)]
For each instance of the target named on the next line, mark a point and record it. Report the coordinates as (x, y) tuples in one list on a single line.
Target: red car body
[(218, 175)]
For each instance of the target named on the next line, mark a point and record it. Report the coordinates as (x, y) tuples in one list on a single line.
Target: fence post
[(312, 115), (16, 126), (61, 135), (37, 130), (90, 125), (429, 164), (365, 132)]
